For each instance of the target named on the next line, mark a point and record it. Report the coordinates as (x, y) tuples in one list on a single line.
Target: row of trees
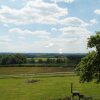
[(61, 60), (8, 59), (12, 59), (49, 60)]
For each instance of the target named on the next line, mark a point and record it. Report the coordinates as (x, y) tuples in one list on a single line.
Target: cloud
[(36, 11), (65, 1), (64, 45), (21, 38), (97, 11), (28, 32), (68, 35), (4, 39), (16, 47), (71, 40), (49, 45), (54, 29), (93, 21), (66, 42), (73, 21), (74, 32)]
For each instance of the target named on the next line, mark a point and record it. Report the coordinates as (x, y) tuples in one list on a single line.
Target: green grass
[(54, 83), (49, 87)]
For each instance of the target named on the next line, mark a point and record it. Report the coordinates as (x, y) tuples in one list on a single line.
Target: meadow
[(49, 86), (32, 70)]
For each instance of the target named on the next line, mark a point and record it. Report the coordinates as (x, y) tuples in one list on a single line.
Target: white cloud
[(16, 47), (70, 35), (66, 1), (77, 32), (73, 21), (93, 21), (4, 39), (70, 38), (61, 50), (54, 29), (65, 45), (28, 32), (77, 42), (97, 11), (49, 45), (36, 11), (21, 38)]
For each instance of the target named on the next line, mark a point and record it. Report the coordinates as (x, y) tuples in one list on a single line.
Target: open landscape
[(43, 77), (49, 49), (49, 86)]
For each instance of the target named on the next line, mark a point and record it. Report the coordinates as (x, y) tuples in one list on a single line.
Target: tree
[(40, 61), (12, 59), (94, 41), (89, 66), (30, 61), (51, 60)]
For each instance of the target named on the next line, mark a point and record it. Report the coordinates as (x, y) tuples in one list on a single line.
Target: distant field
[(49, 87), (32, 70)]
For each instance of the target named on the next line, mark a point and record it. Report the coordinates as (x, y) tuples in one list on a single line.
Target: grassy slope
[(48, 88)]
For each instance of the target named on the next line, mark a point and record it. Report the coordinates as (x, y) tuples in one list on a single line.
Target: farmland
[(51, 85), (32, 70), (49, 49), (52, 76)]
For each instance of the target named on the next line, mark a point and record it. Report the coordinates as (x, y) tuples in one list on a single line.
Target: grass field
[(32, 70), (50, 86)]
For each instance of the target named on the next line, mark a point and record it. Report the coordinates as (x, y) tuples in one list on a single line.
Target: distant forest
[(39, 59)]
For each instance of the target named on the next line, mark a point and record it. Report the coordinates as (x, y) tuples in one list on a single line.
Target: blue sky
[(48, 26)]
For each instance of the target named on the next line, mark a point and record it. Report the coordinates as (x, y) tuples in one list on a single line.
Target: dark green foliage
[(30, 61), (64, 60), (94, 41), (85, 67), (40, 61), (59, 60), (89, 67), (12, 59)]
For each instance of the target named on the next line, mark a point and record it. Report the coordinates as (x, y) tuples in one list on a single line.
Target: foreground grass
[(49, 87)]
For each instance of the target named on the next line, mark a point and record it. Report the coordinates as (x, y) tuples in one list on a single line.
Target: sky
[(48, 26)]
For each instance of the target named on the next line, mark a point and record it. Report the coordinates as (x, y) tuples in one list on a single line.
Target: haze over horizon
[(48, 26)]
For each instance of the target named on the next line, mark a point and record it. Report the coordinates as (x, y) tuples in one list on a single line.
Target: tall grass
[(32, 70)]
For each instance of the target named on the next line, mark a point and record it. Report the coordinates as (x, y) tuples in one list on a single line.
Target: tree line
[(9, 59), (48, 60), (12, 59)]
